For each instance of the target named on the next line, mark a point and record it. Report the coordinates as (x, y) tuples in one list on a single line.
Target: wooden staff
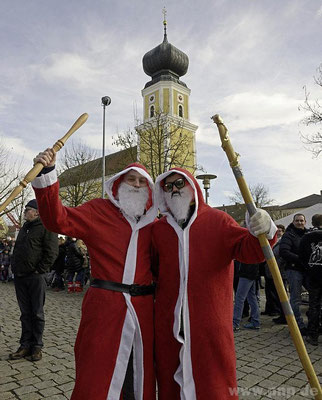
[(270, 259), (31, 175)]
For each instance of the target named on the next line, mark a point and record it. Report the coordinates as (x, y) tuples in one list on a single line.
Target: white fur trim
[(45, 180)]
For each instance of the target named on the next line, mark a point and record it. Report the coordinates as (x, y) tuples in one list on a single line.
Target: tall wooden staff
[(31, 175), (270, 259)]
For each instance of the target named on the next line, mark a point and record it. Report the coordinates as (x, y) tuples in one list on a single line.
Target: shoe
[(20, 353), (250, 326), (274, 314), (312, 340), (236, 328), (303, 331), (36, 355), (280, 320)]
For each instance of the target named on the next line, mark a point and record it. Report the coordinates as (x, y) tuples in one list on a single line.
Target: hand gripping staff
[(270, 259), (31, 175)]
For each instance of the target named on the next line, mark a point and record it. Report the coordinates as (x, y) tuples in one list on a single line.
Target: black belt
[(133, 290)]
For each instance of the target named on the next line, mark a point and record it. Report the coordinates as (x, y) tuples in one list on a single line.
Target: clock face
[(151, 98), (180, 98)]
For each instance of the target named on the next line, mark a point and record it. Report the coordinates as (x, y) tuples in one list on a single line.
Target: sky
[(249, 61)]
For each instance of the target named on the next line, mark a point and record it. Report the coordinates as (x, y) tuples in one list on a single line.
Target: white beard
[(132, 200), (179, 205)]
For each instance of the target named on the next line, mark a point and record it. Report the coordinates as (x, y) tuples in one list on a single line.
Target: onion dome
[(165, 62)]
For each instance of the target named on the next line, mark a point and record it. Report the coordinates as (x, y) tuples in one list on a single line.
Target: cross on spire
[(164, 12)]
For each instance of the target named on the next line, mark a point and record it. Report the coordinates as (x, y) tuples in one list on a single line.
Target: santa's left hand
[(260, 223)]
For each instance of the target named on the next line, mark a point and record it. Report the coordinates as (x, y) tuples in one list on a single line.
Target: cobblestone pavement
[(267, 363)]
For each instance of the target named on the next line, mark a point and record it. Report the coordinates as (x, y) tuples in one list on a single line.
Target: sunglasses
[(178, 183)]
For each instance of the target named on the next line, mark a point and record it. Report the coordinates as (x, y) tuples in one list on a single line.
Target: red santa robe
[(194, 294), (112, 323)]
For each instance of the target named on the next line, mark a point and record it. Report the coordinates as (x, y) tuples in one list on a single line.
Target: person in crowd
[(295, 273), (74, 265), (245, 312), (59, 266), (34, 253), (114, 345), (86, 265), (194, 247), (310, 253), (273, 304), (5, 261), (247, 289)]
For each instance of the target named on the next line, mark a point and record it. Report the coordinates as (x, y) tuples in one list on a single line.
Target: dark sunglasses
[(178, 183)]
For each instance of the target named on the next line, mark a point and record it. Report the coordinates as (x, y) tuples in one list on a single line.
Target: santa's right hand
[(47, 158)]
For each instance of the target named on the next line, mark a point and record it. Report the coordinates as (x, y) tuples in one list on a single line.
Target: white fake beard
[(132, 200), (179, 204)]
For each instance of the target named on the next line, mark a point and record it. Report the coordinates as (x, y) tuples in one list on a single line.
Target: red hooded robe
[(194, 294), (112, 323)]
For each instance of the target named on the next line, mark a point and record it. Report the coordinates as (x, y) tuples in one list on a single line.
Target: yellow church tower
[(166, 136)]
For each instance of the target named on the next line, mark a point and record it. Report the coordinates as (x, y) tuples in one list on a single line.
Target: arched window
[(151, 111), (180, 111)]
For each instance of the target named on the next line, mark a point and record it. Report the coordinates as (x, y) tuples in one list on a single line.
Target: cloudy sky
[(249, 61)]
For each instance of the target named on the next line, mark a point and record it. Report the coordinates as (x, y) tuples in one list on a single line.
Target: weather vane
[(164, 12)]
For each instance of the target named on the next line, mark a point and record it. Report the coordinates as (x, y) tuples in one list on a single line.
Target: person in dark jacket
[(59, 266), (74, 264), (247, 289), (5, 261), (273, 304), (34, 253), (310, 253), (295, 274)]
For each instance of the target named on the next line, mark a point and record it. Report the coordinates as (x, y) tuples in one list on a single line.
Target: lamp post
[(206, 183), (106, 101)]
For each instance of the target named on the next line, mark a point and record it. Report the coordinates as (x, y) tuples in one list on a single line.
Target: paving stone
[(266, 360)]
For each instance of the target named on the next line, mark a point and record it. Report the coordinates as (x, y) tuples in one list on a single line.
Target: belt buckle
[(134, 289)]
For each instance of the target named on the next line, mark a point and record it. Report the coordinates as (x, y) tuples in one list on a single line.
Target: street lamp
[(206, 183), (106, 101)]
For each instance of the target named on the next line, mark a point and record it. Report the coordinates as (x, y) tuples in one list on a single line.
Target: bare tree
[(78, 175), (313, 140), (11, 172), (260, 194), (163, 143)]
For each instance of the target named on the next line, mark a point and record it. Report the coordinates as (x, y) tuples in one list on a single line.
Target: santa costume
[(194, 343), (113, 324)]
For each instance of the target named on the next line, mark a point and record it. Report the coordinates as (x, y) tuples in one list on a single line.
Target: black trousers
[(315, 303), (30, 292), (128, 387)]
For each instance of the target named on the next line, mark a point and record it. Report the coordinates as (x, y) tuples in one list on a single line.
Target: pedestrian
[(74, 266), (114, 344), (247, 289), (59, 266), (195, 246), (295, 273), (35, 251), (5, 261), (310, 253), (273, 304)]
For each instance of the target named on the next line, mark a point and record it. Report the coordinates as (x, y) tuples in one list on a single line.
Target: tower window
[(151, 111), (180, 111)]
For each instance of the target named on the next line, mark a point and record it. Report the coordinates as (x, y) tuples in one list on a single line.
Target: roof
[(91, 170), (307, 212), (304, 202)]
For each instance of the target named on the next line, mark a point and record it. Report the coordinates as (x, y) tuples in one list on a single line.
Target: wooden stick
[(31, 175), (271, 261)]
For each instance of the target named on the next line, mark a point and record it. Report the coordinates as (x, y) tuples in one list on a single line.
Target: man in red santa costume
[(195, 246), (114, 344)]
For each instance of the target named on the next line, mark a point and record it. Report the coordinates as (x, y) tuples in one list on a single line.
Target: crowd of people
[(298, 253), (159, 306)]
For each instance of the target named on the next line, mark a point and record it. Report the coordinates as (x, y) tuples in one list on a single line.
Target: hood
[(112, 184), (159, 192)]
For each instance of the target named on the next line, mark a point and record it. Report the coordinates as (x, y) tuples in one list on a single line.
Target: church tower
[(166, 109)]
